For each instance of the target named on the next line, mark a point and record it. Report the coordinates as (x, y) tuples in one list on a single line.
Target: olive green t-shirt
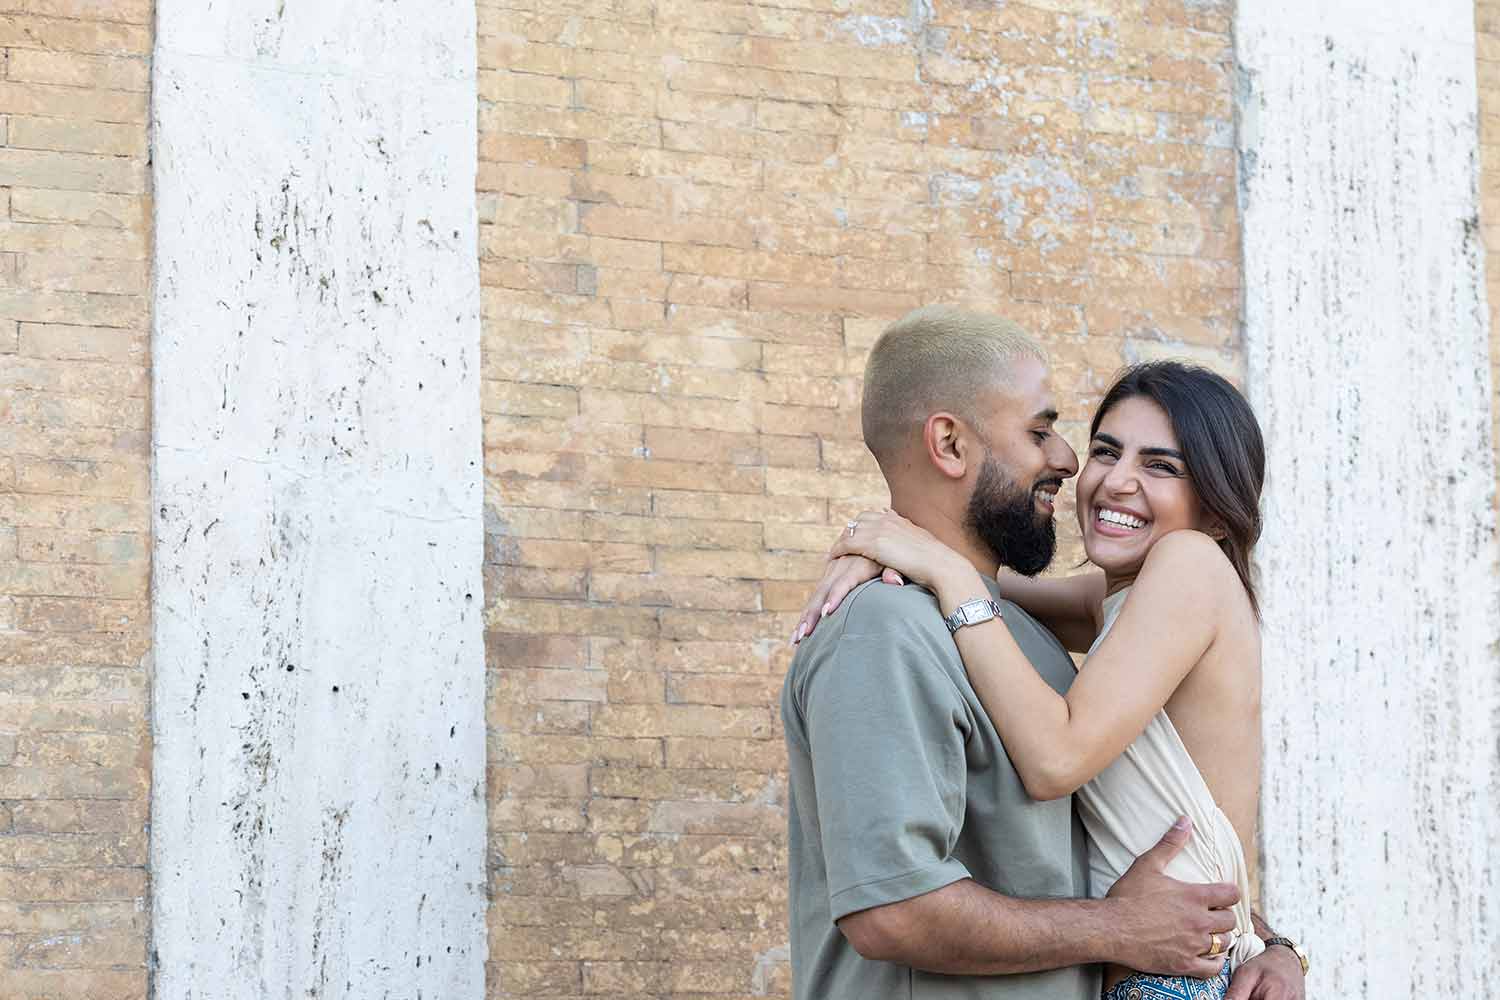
[(899, 785)]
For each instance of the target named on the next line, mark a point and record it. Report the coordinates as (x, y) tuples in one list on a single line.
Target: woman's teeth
[(1124, 520)]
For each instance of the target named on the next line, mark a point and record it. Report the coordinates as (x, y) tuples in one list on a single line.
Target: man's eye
[(1041, 436)]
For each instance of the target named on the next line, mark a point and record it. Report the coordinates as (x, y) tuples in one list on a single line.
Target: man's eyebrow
[(1048, 416), (1114, 442)]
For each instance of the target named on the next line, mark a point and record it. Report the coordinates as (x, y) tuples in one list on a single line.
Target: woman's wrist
[(958, 582)]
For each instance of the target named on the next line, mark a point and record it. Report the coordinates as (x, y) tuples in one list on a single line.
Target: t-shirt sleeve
[(886, 729)]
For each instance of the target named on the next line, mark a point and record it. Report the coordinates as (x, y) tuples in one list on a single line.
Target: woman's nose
[(1121, 478)]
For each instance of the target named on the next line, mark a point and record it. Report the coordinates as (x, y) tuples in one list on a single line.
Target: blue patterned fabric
[(1139, 986)]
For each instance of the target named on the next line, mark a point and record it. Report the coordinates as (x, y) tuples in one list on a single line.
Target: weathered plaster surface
[(318, 823), (1367, 335)]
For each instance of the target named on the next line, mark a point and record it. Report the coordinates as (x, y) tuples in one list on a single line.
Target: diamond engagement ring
[(851, 526)]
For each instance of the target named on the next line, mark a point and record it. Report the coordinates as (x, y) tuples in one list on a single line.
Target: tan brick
[(23, 237), (525, 180), (75, 377), (679, 592), (525, 88), (112, 211), (714, 689), (69, 951), (637, 687), (546, 781), (57, 409), (81, 274), (73, 69), (539, 150), (30, 31), (536, 978), (71, 171), (39, 545), (81, 343), (63, 984), (74, 478), (619, 285), (57, 614), (681, 720), (604, 220), (70, 580)]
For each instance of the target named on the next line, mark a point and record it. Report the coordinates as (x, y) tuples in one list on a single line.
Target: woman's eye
[(1170, 470), (1101, 452)]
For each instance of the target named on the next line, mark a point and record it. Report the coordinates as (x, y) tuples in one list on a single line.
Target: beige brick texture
[(695, 219), (74, 551), (1487, 49)]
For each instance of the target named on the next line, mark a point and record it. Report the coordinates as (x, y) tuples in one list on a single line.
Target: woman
[(1164, 717)]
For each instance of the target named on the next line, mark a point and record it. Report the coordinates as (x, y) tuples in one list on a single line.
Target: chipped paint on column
[(1367, 336), (318, 824)]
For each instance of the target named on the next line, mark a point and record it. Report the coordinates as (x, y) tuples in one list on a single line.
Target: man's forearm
[(965, 929)]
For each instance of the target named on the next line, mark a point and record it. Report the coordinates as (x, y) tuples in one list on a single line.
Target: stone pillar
[(1367, 337), (318, 818)]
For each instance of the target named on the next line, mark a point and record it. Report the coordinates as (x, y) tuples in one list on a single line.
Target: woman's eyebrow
[(1114, 442)]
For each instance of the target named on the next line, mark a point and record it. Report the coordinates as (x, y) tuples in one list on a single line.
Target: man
[(919, 866)]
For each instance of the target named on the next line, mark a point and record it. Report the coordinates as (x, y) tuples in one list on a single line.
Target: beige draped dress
[(1134, 800)]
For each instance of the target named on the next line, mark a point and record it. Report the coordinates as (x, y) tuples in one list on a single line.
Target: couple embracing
[(970, 814)]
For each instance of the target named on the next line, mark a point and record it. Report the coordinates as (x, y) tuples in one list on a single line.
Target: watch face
[(975, 612)]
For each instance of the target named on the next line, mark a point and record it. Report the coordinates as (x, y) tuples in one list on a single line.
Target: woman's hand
[(841, 576), (892, 541)]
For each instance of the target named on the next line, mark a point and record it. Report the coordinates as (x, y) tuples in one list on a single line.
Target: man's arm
[(1156, 923)]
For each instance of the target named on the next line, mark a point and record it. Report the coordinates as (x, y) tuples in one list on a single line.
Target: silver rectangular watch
[(972, 613)]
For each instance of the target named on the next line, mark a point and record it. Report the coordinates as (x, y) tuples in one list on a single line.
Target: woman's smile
[(1117, 522)]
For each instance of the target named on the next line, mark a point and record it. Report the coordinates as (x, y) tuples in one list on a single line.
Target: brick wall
[(1487, 50), (696, 217), (74, 552)]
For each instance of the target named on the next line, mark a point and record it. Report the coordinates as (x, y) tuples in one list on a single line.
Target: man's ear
[(943, 441)]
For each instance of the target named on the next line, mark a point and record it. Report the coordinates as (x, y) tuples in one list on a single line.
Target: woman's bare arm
[(1067, 605), (1056, 742)]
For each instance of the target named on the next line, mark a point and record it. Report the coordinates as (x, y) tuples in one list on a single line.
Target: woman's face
[(1134, 488)]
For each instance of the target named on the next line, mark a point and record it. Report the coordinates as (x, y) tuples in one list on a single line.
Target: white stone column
[(1368, 337), (318, 809)]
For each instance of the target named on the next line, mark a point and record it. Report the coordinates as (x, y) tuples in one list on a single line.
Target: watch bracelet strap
[(1289, 943), (956, 620)]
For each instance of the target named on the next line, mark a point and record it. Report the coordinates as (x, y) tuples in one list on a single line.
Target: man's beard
[(1004, 516)]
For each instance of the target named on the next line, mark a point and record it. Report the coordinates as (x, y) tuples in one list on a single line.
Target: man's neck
[(948, 527)]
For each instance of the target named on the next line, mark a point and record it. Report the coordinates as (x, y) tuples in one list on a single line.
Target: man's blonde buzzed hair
[(936, 358)]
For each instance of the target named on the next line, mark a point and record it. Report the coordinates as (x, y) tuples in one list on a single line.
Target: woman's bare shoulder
[(1189, 565), (1188, 549)]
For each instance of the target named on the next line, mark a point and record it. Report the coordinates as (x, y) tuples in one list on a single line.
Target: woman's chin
[(1109, 556)]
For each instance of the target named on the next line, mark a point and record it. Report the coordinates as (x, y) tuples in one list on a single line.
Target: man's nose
[(1064, 460)]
